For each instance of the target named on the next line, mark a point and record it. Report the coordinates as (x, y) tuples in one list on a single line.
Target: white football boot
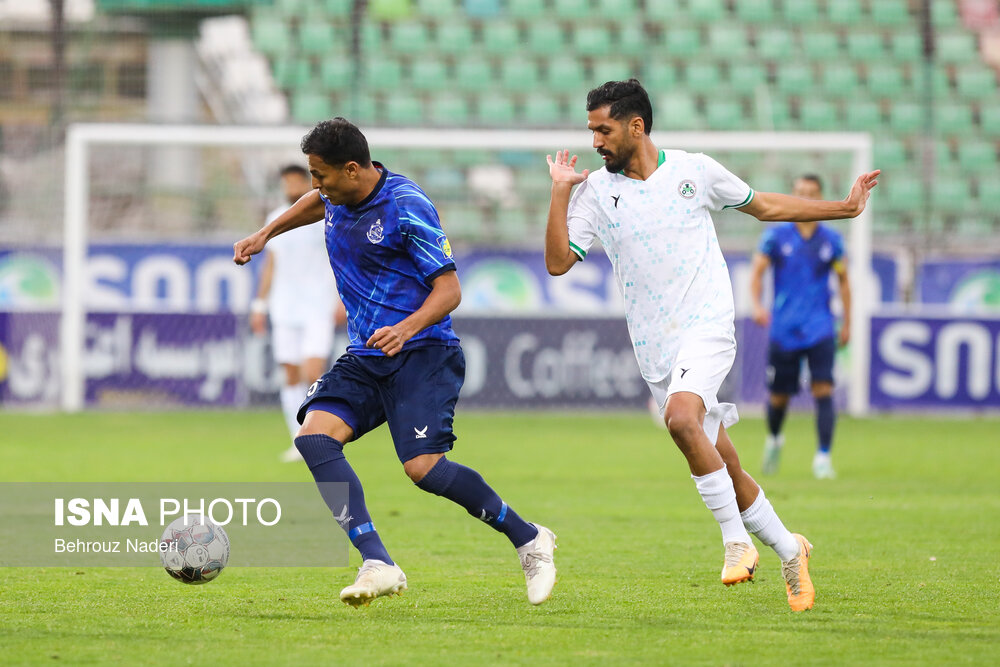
[(823, 466), (375, 579), (539, 568), (772, 453)]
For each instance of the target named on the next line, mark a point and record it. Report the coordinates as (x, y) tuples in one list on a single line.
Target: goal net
[(152, 312)]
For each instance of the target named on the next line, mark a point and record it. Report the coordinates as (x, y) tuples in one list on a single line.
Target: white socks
[(716, 489), (761, 520), (291, 398)]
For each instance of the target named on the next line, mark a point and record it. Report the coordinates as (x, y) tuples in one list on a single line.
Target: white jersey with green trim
[(660, 237)]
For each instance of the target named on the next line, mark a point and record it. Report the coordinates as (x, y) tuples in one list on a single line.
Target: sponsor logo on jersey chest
[(687, 189)]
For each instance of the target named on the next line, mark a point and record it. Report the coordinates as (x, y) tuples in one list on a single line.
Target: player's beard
[(616, 161)]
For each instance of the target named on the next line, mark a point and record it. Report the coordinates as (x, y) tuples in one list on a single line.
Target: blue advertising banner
[(967, 285), (919, 361)]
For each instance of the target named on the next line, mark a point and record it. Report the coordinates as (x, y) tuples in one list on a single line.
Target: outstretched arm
[(775, 206), (558, 257), (757, 269), (845, 299), (446, 294), (307, 210)]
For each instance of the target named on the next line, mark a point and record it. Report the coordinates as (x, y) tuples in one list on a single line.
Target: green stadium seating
[(800, 12), (676, 111), (940, 86), (429, 74), (482, 9), (906, 46), (727, 41), (724, 114), (545, 39), (389, 10), (500, 38), (453, 37), (612, 69), (361, 108), (371, 38), (865, 46), (437, 9), (382, 74), (976, 155), (775, 43), (319, 37), (902, 191), (473, 74), (890, 155), (885, 80), (943, 14), (840, 79), (976, 82), (891, 13), (702, 76), (844, 12), (528, 10), (541, 110), (707, 11), (565, 74), (747, 77), (336, 73), (291, 72), (906, 117), (755, 11), (270, 34), (495, 110), (659, 75), (403, 109), (290, 7), (818, 115), (334, 9), (572, 10), (951, 193), (592, 40), (956, 48), (309, 106), (519, 74), (822, 45), (795, 79), (953, 118), (989, 194), (942, 154), (409, 38), (864, 115), (632, 41), (664, 11), (989, 120), (449, 110), (617, 11), (682, 41)]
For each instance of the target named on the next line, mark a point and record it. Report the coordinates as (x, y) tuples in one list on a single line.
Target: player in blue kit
[(396, 276), (802, 256)]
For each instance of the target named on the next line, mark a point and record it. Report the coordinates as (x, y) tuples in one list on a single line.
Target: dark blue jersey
[(385, 252), (801, 315)]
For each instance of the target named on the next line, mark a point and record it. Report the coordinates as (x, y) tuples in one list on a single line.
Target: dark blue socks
[(775, 418), (325, 458), (825, 419), (467, 487)]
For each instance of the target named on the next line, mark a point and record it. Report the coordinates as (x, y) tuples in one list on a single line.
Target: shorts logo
[(312, 388), (684, 372), (445, 246), (686, 189), (419, 432), (376, 233)]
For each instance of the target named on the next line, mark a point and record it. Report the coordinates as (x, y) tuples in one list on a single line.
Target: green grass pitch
[(906, 545)]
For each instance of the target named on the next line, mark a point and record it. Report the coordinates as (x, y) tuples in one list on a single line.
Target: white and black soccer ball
[(196, 549)]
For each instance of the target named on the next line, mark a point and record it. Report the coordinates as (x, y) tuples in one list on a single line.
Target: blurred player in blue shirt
[(802, 255), (404, 366)]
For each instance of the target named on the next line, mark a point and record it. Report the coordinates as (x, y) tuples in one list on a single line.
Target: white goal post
[(82, 138)]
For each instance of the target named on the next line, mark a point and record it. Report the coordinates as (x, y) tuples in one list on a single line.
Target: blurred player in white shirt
[(298, 292), (650, 208)]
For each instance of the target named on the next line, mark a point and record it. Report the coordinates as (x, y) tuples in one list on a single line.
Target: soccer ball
[(196, 549)]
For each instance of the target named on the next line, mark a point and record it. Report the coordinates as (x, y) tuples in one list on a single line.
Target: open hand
[(563, 169), (861, 190)]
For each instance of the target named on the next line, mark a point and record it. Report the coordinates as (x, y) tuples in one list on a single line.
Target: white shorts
[(700, 368), (295, 344)]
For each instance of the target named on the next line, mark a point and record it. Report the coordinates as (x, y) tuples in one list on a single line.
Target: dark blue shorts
[(784, 366), (415, 392)]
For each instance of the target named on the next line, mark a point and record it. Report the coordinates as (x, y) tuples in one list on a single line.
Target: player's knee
[(682, 423), (418, 467), (822, 389), (779, 401)]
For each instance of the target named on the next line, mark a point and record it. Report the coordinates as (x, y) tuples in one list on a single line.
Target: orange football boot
[(801, 593), (740, 564)]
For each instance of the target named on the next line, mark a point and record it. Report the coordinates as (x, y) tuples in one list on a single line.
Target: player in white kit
[(298, 292), (650, 210)]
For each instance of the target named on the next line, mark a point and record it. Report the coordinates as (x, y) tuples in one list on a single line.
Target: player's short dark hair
[(337, 142), (296, 169), (814, 178), (626, 98)]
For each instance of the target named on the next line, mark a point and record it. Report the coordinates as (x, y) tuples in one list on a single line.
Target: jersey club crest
[(375, 232)]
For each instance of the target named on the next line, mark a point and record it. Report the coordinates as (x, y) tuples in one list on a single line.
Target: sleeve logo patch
[(445, 246), (375, 232), (687, 189)]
